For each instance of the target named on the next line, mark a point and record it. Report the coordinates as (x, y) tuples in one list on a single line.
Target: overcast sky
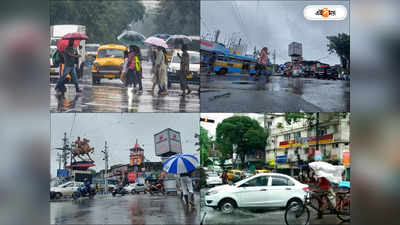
[(274, 24), (121, 130)]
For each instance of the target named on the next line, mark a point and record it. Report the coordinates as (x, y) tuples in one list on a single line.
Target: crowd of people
[(132, 72)]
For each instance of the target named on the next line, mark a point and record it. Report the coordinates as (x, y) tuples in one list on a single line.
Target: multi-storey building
[(291, 147)]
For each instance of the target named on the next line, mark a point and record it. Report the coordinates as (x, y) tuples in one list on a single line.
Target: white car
[(194, 60), (64, 189), (213, 179), (135, 188), (259, 191)]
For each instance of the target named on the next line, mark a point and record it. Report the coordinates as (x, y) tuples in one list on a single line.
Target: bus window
[(220, 57)]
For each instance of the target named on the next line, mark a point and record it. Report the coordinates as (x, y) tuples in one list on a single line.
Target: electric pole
[(105, 151), (274, 57), (65, 148)]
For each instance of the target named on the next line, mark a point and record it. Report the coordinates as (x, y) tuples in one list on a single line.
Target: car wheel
[(58, 195), (227, 206), (133, 192), (294, 201)]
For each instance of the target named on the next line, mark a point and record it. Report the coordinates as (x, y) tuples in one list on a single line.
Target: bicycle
[(299, 214)]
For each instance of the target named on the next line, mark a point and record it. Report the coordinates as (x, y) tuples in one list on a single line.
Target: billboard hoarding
[(167, 142)]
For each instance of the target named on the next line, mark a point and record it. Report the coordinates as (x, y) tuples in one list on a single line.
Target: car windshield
[(193, 59), (91, 48), (213, 175), (52, 51), (111, 53)]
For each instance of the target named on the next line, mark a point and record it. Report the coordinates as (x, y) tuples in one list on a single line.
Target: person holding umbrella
[(161, 70), (184, 70), (183, 165), (69, 68)]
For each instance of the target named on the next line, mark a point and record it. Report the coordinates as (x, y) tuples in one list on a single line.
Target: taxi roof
[(113, 46)]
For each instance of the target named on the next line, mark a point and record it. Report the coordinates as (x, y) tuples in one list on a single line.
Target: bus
[(230, 63)]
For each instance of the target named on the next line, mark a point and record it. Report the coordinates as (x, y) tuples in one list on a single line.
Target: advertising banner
[(167, 142)]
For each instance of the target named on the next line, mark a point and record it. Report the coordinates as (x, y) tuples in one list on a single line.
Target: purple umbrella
[(156, 41)]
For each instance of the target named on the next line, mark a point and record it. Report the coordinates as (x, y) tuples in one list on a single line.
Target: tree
[(242, 131), (205, 146), (178, 17), (340, 45), (104, 20)]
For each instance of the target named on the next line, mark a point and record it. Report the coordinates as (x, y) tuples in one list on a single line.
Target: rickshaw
[(339, 204)]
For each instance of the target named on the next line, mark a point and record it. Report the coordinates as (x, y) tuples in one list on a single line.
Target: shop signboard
[(281, 159)]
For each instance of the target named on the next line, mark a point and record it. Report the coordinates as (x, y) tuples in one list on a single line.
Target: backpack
[(57, 58)]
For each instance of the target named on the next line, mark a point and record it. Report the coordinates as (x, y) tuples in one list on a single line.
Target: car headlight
[(213, 192)]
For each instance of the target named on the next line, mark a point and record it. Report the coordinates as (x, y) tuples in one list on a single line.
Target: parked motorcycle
[(120, 190), (83, 192)]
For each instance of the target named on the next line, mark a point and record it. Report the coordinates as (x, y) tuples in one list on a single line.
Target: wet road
[(264, 217), (240, 93), (109, 96), (129, 209)]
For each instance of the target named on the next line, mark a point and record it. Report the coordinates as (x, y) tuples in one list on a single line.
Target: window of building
[(322, 131), (309, 133), (297, 135), (287, 137)]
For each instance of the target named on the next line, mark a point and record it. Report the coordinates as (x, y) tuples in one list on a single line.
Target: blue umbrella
[(180, 163)]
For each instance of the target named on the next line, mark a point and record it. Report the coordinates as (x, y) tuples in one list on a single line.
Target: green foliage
[(205, 146), (178, 17), (279, 125), (104, 20), (340, 45), (242, 131)]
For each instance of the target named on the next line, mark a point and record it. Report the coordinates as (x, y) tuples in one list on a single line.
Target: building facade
[(291, 147)]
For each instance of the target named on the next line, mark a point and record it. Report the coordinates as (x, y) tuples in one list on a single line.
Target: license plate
[(52, 70), (190, 76), (109, 76)]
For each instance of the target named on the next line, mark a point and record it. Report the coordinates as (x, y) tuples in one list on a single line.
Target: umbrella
[(180, 163), (156, 41), (131, 38), (176, 41), (76, 36), (64, 41)]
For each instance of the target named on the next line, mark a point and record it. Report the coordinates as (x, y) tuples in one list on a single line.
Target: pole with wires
[(105, 152)]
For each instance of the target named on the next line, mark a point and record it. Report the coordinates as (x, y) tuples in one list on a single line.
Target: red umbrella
[(64, 41), (76, 36)]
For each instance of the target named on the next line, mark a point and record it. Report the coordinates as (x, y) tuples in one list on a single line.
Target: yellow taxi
[(261, 171), (234, 175), (108, 62)]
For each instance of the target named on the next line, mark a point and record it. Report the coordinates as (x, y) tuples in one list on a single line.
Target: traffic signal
[(206, 120)]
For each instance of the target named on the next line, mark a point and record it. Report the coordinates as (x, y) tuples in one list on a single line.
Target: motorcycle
[(120, 190), (156, 188), (83, 192)]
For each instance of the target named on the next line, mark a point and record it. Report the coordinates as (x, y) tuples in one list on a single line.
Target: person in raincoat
[(187, 187), (184, 70), (161, 70)]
